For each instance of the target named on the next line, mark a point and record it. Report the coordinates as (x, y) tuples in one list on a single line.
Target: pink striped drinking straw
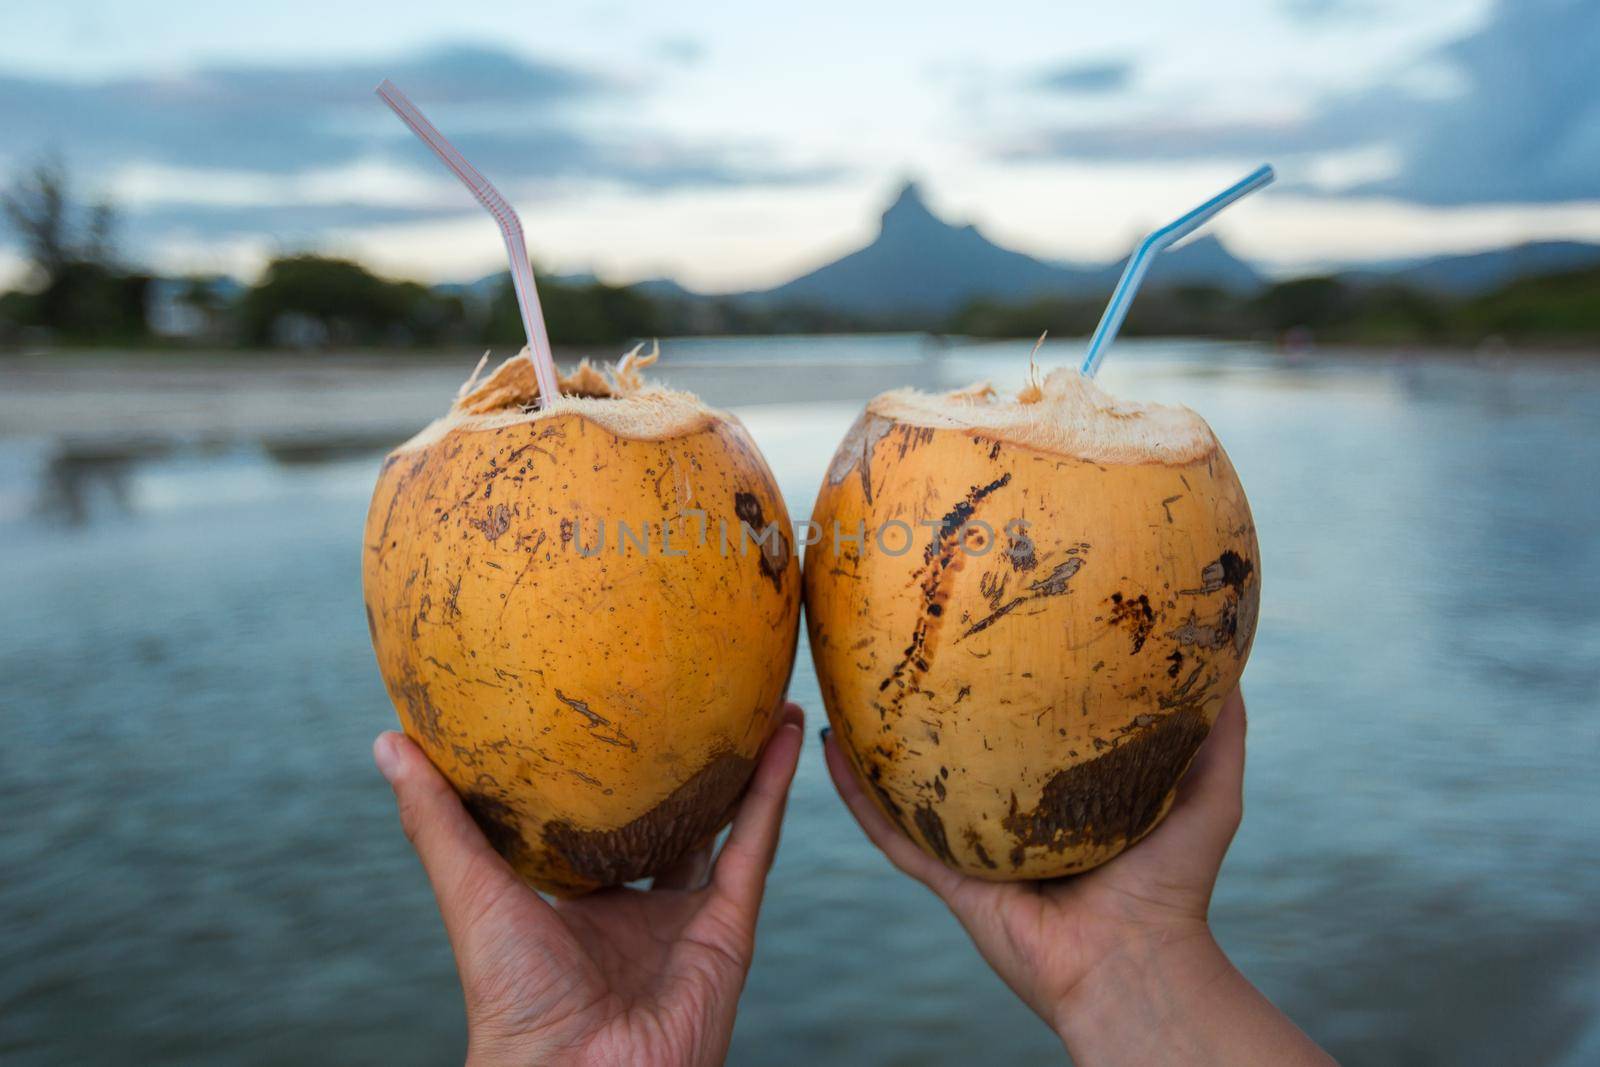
[(544, 365)]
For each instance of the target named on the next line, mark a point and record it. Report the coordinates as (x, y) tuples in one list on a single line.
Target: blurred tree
[(309, 300), (1062, 316), (1322, 304), (36, 205), (78, 292), (1398, 314), (590, 314), (1558, 308)]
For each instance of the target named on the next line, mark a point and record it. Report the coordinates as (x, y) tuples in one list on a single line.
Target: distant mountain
[(922, 267), (1479, 272), (920, 263), (1203, 261), (484, 289), (662, 289)]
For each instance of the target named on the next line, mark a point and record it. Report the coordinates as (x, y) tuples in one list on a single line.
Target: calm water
[(198, 862)]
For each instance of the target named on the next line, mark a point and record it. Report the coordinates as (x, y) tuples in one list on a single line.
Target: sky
[(735, 145)]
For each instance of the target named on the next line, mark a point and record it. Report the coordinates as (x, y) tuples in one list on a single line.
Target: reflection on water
[(72, 484), (200, 863)]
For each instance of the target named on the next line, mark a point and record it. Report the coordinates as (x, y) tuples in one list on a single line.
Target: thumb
[(1209, 802), (464, 870)]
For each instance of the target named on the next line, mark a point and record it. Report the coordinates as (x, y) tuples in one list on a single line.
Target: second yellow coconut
[(1025, 614)]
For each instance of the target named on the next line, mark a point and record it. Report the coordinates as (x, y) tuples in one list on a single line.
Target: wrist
[(488, 1049), (1141, 994)]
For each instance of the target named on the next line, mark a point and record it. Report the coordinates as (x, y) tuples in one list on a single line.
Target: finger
[(688, 873), (900, 849), (1217, 773), (741, 869), (461, 866), (1210, 797)]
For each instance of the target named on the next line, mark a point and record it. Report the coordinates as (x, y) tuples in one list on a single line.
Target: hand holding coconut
[(1120, 961), (619, 976)]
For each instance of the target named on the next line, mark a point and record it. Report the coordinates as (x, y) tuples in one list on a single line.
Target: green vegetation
[(312, 300), (592, 314), (1557, 307), (77, 293), (1552, 309)]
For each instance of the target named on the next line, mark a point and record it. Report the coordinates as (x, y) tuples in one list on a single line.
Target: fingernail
[(822, 734), (386, 756)]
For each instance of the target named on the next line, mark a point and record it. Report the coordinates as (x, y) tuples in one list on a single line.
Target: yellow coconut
[(1025, 614), (585, 615)]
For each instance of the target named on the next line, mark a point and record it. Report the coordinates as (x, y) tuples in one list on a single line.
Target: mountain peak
[(920, 262), (908, 208)]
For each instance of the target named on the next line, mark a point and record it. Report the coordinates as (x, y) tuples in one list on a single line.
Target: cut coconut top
[(1068, 414), (620, 401)]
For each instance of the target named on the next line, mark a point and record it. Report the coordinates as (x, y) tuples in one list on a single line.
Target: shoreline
[(110, 403), (378, 355)]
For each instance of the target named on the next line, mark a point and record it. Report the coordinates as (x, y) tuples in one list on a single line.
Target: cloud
[(1527, 125), (1319, 11), (521, 120), (1516, 121), (1085, 77), (275, 118), (288, 223), (684, 51)]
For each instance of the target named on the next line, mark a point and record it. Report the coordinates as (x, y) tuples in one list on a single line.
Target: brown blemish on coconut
[(499, 824), (855, 451), (420, 710), (875, 780), (940, 559), (975, 843), (953, 520), (1245, 625), (1020, 553), (1113, 797), (494, 524), (660, 837), (1135, 615), (931, 826), (1052, 584), (1230, 570), (600, 727), (1200, 634), (1055, 583), (774, 546), (1235, 624)]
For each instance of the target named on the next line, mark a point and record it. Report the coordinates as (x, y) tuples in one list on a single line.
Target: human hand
[(618, 976), (1120, 960)]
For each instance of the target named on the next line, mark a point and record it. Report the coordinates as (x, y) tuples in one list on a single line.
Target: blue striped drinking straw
[(1152, 246)]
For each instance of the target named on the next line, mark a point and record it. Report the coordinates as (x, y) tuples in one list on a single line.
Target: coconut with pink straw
[(585, 611)]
